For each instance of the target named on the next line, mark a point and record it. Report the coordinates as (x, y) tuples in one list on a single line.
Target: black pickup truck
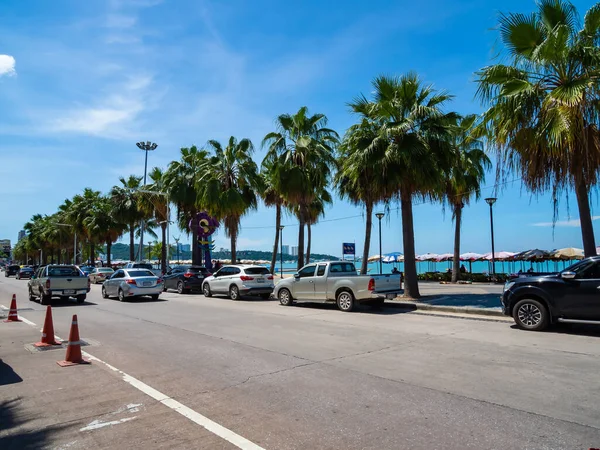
[(572, 295)]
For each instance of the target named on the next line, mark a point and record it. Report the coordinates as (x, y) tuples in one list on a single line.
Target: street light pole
[(281, 227), (380, 216), (147, 147), (490, 201)]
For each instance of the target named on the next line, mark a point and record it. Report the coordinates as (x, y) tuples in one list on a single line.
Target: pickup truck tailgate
[(387, 283)]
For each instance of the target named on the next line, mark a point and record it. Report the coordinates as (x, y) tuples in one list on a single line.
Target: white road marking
[(211, 426), (28, 322), (96, 424)]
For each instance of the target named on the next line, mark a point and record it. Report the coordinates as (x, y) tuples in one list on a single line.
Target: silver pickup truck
[(337, 282), (58, 281)]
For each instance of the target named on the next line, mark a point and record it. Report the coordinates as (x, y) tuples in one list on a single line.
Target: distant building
[(285, 249), (185, 247), (21, 235), (294, 250), (5, 247)]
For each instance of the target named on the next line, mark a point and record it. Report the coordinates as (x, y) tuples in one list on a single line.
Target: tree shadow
[(8, 376), (11, 417), (575, 329), (365, 308)]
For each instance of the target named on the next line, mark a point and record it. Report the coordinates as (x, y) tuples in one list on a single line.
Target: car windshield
[(257, 271), (63, 272), (106, 269), (197, 270), (139, 273)]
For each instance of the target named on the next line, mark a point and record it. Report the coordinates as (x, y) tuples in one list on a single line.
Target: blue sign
[(349, 248)]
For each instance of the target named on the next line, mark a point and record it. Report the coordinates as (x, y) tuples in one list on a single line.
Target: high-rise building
[(185, 247), (294, 250), (285, 249), (21, 235), (5, 247)]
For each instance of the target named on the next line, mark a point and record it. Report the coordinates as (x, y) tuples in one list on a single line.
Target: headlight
[(508, 285)]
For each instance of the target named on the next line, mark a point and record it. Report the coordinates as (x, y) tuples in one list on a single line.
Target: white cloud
[(7, 65), (562, 223), (120, 21)]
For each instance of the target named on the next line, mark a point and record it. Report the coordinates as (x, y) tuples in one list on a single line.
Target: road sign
[(349, 248)]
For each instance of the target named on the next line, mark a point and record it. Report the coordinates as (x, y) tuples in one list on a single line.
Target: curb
[(451, 309)]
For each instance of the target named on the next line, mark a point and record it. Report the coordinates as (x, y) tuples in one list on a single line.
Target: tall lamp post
[(490, 201), (281, 227), (146, 147), (380, 215)]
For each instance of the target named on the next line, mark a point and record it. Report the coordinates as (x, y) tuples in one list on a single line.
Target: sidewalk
[(43, 405)]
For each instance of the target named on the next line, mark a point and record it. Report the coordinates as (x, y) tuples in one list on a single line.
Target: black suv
[(185, 278), (12, 269), (572, 295)]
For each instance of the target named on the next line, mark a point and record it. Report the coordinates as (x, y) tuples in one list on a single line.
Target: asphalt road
[(316, 378)]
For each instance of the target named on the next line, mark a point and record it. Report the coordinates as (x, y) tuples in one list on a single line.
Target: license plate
[(390, 296), (68, 291), (260, 280), (147, 283)]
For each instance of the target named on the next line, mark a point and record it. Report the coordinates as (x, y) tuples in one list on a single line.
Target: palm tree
[(416, 133), (101, 223), (464, 180), (315, 210), (228, 187), (125, 199), (181, 180), (158, 207), (272, 197), (303, 148), (360, 175), (83, 206), (543, 105)]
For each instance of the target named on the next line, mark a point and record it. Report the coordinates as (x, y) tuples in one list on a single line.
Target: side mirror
[(33, 277), (567, 275), (297, 276)]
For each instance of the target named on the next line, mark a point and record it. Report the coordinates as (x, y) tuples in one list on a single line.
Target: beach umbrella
[(499, 256), (393, 257), (568, 253), (427, 257), (532, 255), (470, 256), (374, 258), (445, 257)]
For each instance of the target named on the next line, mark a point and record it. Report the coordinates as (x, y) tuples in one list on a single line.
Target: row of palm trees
[(541, 122)]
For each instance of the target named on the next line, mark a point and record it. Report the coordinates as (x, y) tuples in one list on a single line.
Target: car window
[(321, 270), (224, 272), (197, 270), (142, 266), (257, 271), (235, 270), (118, 274), (308, 271), (342, 268), (63, 272), (139, 273), (589, 271), (105, 270)]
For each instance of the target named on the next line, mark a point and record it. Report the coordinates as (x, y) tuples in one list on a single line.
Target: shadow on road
[(11, 417), (66, 303), (8, 376), (576, 329), (384, 310)]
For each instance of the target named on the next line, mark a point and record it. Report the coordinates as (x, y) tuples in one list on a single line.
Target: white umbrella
[(427, 257), (374, 258), (568, 253), (445, 257), (470, 256), (499, 256)]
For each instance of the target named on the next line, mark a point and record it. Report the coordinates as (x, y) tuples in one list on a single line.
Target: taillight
[(159, 281), (188, 275), (270, 277), (48, 283), (371, 285), (246, 278), (131, 282)]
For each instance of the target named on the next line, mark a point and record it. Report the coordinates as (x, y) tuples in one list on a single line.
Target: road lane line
[(209, 425), (28, 322)]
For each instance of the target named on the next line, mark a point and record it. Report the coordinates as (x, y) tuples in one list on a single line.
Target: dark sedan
[(24, 273), (185, 278)]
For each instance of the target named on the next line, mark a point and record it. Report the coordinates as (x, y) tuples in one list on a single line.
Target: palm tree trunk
[(456, 258), (131, 241), (163, 252), (308, 229), (301, 238), (108, 249), (277, 232), (233, 244), (366, 248), (411, 284), (92, 252), (585, 217)]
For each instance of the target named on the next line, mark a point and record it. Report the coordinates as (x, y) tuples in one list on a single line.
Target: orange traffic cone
[(73, 357), (12, 314), (48, 331)]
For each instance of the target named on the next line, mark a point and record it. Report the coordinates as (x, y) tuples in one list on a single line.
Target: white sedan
[(99, 274)]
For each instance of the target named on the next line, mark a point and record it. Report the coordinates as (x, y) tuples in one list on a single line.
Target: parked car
[(236, 281), (86, 269), (11, 270), (100, 274), (24, 273), (571, 296), (58, 281), (337, 282), (130, 283), (186, 278)]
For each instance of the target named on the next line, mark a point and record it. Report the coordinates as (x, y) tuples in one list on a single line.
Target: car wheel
[(345, 301), (154, 296), (531, 315), (234, 292), (31, 296), (104, 294), (285, 297), (81, 298), (180, 288), (121, 295), (44, 299), (206, 290)]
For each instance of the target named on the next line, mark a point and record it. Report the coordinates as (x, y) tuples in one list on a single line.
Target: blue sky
[(81, 82)]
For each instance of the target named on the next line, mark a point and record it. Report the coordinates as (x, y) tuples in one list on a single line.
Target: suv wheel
[(234, 292), (44, 299), (345, 301), (181, 289), (531, 315), (206, 290), (121, 295), (285, 297), (31, 296), (104, 294)]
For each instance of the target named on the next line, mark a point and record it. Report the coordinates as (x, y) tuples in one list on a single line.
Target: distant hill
[(121, 251)]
